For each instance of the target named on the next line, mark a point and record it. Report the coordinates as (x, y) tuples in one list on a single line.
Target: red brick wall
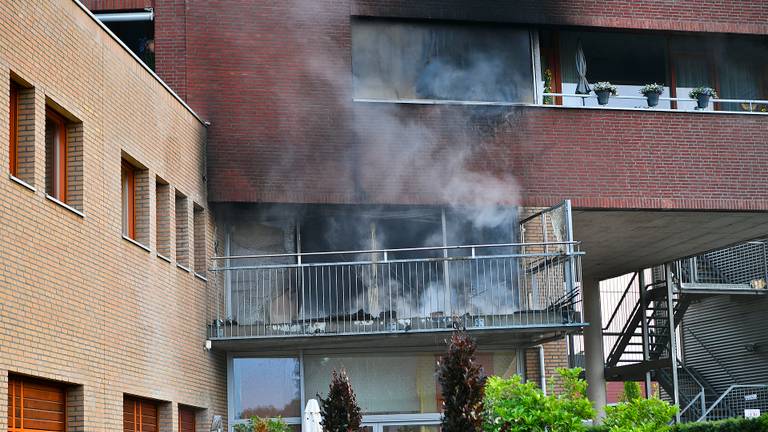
[(728, 16), (274, 79), (115, 5)]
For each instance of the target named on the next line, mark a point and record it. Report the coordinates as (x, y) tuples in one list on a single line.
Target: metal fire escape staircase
[(646, 346)]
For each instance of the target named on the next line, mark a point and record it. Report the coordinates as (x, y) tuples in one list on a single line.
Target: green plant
[(651, 88), (514, 406), (640, 415), (258, 424), (759, 424), (631, 392), (605, 86), (339, 410), (461, 381), (548, 100), (702, 91)]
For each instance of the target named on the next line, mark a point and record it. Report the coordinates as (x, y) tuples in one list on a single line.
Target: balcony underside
[(506, 337), (620, 242)]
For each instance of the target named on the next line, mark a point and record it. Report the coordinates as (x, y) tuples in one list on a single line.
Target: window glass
[(55, 156), (627, 60), (128, 193), (396, 60), (393, 384), (266, 387)]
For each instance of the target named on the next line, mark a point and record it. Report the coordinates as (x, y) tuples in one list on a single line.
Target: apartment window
[(163, 217), (63, 158), (13, 124), (128, 192), (187, 421), (22, 132), (199, 238), (397, 60), (134, 194), (35, 404), (182, 230), (56, 155), (140, 415)]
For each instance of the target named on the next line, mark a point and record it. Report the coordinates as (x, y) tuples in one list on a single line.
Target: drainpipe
[(542, 370)]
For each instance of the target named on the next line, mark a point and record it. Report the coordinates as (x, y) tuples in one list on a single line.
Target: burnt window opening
[(136, 29), (431, 60)]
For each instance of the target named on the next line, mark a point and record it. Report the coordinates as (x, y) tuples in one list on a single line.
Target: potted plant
[(702, 96), (652, 93), (604, 90)]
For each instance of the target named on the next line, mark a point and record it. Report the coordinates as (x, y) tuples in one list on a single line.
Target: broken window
[(401, 60)]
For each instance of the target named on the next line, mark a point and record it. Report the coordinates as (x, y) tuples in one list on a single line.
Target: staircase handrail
[(699, 397), (621, 300), (726, 393)]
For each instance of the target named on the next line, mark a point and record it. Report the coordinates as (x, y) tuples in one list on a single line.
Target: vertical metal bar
[(644, 321), (446, 270), (672, 338)]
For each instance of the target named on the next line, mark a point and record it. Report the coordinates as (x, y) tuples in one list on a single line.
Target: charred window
[(401, 60)]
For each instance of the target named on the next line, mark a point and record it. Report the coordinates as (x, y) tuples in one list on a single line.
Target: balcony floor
[(421, 339)]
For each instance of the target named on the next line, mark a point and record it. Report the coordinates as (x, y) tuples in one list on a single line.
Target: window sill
[(201, 277), (66, 206), (183, 267), (539, 105), (22, 182), (132, 241), (163, 257)]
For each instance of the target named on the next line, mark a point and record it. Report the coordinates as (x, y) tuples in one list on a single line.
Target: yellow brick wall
[(78, 303)]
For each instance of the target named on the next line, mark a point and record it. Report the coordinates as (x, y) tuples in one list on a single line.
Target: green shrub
[(514, 406), (258, 424), (640, 415), (631, 392), (759, 424)]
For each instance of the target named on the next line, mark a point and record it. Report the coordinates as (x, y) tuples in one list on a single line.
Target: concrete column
[(593, 346)]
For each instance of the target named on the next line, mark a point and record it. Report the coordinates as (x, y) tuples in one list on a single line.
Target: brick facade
[(285, 129), (555, 357), (78, 303)]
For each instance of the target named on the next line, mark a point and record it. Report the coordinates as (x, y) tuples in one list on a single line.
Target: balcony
[(531, 287)]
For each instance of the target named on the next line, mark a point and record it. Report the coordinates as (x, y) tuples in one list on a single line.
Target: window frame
[(13, 128), (138, 403), (59, 187), (189, 410), (17, 383), (128, 199)]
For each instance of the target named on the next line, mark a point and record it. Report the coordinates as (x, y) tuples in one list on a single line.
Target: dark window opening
[(138, 36), (400, 60)]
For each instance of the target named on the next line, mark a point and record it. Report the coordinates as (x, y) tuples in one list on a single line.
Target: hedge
[(759, 424)]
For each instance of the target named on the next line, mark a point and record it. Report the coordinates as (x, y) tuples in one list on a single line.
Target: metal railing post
[(672, 339), (644, 322)]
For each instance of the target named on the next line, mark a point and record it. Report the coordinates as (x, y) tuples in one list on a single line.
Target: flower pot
[(603, 96), (653, 99), (703, 101)]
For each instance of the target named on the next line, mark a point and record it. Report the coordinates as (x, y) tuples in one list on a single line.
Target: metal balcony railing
[(752, 106), (513, 285), (740, 267), (739, 401)]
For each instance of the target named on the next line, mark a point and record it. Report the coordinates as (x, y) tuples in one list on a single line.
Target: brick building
[(102, 316), (378, 172)]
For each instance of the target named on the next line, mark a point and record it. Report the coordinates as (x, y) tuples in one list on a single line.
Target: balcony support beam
[(593, 346)]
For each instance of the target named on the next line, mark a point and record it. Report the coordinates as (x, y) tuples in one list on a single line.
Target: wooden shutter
[(186, 419), (139, 415), (36, 405)]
